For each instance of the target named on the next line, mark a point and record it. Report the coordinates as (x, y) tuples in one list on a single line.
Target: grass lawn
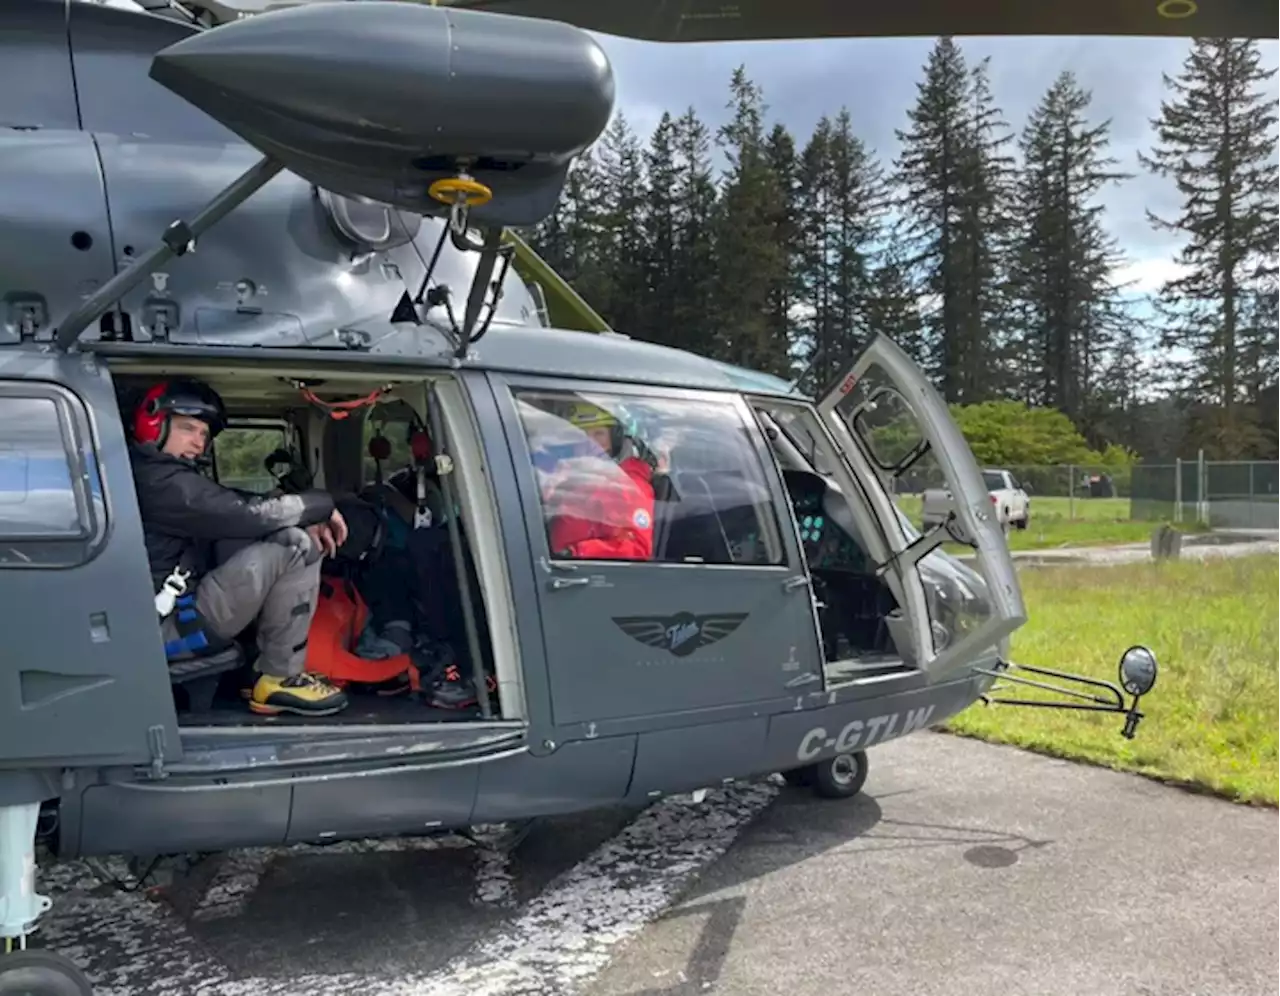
[(1211, 721), (1058, 522)]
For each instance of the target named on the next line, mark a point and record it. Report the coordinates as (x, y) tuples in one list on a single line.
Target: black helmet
[(182, 396)]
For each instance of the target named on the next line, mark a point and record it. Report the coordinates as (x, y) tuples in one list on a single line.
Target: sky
[(876, 78)]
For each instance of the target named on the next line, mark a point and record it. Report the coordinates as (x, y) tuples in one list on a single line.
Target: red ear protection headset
[(176, 397), (419, 441)]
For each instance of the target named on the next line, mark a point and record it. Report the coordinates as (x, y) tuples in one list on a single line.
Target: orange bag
[(339, 620)]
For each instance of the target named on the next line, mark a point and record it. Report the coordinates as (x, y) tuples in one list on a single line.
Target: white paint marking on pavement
[(234, 883), (494, 885), (125, 941), (563, 937), (566, 934)]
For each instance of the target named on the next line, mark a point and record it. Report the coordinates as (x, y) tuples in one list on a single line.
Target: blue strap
[(191, 635), (189, 644)]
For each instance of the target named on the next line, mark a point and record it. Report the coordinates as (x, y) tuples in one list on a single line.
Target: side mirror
[(1138, 671)]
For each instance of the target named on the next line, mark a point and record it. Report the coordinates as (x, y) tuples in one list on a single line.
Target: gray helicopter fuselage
[(598, 718), (96, 160)]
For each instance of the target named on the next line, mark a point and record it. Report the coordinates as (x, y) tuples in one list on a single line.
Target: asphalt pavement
[(970, 868), (963, 868)]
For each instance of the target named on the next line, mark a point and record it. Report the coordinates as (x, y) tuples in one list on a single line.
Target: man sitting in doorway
[(594, 513), (248, 557)]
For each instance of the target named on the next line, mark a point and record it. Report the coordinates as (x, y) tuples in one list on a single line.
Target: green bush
[(1011, 435)]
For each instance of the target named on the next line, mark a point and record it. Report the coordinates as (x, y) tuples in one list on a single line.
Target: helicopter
[(310, 208)]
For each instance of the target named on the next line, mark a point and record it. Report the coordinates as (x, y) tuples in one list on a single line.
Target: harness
[(174, 600)]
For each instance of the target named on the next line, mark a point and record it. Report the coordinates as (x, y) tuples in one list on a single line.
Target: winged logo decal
[(682, 633)]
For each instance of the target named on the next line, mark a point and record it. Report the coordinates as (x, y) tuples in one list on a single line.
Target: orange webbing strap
[(342, 409)]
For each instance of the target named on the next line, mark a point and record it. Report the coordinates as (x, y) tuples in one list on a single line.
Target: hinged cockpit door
[(885, 407)]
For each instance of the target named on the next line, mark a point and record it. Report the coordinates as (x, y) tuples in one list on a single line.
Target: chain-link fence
[(1224, 495), (1066, 490), (1241, 495)]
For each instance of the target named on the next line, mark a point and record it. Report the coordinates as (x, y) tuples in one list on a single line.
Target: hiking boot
[(431, 661), (302, 694), (453, 691)]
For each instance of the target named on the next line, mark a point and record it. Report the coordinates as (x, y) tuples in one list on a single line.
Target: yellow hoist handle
[(460, 190)]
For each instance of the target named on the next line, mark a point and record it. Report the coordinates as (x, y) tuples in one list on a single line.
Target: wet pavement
[(962, 868)]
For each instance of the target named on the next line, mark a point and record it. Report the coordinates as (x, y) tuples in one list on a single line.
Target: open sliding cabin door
[(884, 413)]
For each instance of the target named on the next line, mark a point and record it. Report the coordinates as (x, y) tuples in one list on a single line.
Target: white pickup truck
[(1009, 499)]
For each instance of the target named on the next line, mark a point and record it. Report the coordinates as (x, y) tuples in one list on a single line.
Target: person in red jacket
[(600, 506)]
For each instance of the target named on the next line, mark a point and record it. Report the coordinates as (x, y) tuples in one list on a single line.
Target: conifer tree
[(892, 307), (692, 281), (987, 229), (660, 220), (749, 262), (1217, 143), (1070, 316), (578, 232), (844, 197), (780, 152), (621, 247), (951, 174)]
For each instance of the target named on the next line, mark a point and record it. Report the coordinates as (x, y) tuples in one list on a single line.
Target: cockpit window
[(662, 479), (240, 455)]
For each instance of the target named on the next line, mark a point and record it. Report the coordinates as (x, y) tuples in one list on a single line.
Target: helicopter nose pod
[(379, 99)]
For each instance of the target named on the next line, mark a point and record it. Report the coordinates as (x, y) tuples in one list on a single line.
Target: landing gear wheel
[(841, 776), (41, 973)]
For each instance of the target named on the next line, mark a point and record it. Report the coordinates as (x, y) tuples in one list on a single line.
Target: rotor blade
[(752, 20), (764, 20)]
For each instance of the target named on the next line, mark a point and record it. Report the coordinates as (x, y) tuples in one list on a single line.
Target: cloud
[(1147, 276)]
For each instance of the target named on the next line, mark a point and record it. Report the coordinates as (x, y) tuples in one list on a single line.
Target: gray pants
[(273, 584)]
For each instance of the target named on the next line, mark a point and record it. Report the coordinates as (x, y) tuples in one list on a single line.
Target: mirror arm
[(1114, 702)]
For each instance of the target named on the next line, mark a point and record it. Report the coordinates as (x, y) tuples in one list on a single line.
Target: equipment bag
[(340, 617)]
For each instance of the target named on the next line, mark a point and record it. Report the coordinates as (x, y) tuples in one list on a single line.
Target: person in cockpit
[(599, 500)]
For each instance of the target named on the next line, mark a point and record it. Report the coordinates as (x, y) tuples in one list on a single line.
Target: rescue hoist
[(462, 193)]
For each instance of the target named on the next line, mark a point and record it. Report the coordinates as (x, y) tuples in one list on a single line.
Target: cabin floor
[(864, 668), (365, 710), (227, 707)]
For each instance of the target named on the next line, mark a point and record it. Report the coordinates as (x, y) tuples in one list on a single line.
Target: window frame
[(62, 551), (512, 386)]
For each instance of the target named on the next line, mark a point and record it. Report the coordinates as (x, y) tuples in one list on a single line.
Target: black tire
[(842, 776), (799, 777), (41, 973), (1023, 522)]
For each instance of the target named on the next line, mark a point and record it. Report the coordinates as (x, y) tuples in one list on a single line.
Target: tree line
[(982, 250)]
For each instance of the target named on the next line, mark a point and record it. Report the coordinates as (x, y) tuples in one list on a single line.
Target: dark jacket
[(184, 514)]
